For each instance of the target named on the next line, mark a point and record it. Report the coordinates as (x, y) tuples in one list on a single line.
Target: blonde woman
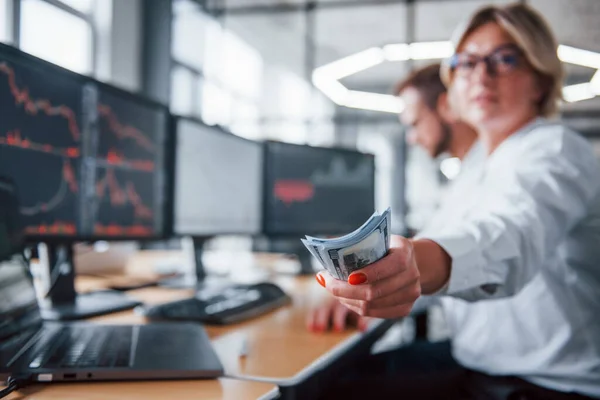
[(517, 261)]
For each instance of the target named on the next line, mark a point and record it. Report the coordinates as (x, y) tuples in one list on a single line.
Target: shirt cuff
[(470, 271)]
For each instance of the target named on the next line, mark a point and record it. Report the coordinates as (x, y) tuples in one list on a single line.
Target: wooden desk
[(279, 349)]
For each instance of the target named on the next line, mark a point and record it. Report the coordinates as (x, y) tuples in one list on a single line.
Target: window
[(182, 91), (246, 120), (216, 105), (5, 21), (216, 76), (84, 6), (189, 34), (372, 139), (61, 36), (240, 67)]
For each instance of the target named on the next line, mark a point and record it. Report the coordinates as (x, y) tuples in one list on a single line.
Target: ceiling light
[(330, 87), (355, 63), (579, 92), (573, 55), (396, 52), (374, 102), (418, 51), (326, 78), (431, 50), (595, 82)]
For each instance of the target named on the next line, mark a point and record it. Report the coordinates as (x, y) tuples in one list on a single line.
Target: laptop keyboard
[(80, 347)]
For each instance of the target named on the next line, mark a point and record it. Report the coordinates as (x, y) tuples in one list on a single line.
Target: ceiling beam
[(277, 8)]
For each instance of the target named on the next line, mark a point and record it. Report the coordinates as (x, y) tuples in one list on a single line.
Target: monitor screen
[(86, 158), (40, 142), (128, 178), (218, 183), (18, 302), (311, 190)]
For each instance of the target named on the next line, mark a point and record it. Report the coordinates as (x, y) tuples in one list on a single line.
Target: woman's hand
[(334, 314), (387, 288)]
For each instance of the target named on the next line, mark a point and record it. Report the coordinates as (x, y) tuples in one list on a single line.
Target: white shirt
[(522, 227)]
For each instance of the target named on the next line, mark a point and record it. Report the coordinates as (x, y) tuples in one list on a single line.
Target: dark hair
[(427, 81)]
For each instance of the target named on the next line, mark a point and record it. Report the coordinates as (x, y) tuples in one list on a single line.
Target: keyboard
[(76, 347), (233, 304)]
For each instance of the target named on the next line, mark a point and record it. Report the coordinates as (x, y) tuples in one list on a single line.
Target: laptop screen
[(18, 303)]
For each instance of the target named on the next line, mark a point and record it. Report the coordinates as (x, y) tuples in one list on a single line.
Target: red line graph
[(289, 191), (56, 228), (68, 184), (123, 131), (120, 197), (116, 230), (116, 158), (34, 106), (14, 139)]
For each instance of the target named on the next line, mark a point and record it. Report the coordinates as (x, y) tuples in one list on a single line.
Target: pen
[(243, 353)]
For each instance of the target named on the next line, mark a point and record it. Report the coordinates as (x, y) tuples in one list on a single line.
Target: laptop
[(58, 351)]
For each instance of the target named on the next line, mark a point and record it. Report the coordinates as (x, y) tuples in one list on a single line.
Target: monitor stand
[(63, 302), (194, 273), (291, 246)]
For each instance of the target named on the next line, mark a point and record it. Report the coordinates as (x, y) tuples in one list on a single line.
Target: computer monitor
[(217, 189), (316, 191), (56, 147), (218, 181), (313, 190), (127, 170), (41, 134)]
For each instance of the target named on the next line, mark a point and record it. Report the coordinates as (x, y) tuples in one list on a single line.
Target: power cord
[(14, 383)]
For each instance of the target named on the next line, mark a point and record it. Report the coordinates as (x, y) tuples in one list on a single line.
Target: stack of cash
[(343, 255)]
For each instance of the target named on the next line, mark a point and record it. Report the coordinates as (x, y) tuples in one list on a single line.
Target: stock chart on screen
[(317, 190), (128, 176), (87, 159), (40, 136)]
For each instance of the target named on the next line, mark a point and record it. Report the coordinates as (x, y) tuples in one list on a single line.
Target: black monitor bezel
[(267, 159), (221, 130)]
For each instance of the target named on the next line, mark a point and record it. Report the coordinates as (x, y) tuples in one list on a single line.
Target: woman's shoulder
[(554, 138)]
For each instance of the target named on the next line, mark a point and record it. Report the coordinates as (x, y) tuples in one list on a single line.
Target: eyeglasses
[(500, 61)]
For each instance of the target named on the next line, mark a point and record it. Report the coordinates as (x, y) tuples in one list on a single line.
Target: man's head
[(426, 113)]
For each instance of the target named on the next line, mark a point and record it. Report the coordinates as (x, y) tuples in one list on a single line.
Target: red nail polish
[(357, 278), (320, 279)]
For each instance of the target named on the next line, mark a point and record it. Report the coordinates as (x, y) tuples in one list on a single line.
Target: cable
[(7, 390), (14, 384)]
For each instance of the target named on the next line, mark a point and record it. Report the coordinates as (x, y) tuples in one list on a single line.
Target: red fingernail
[(320, 279), (357, 278)]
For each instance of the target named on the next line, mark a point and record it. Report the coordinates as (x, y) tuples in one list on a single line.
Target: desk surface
[(279, 346)]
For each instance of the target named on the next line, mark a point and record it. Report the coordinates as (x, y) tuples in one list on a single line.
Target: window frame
[(87, 18), (198, 74)]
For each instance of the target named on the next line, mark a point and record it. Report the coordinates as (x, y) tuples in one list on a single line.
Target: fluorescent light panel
[(374, 102), (326, 77), (330, 87), (352, 64), (573, 55), (579, 92)]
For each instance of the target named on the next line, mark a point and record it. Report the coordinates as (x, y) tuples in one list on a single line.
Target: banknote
[(343, 255)]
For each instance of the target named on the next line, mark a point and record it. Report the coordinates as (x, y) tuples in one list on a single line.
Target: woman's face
[(492, 82)]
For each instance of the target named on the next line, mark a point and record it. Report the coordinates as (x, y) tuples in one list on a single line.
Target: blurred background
[(306, 72)]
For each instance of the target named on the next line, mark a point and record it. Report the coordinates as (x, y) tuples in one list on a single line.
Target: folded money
[(343, 255)]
